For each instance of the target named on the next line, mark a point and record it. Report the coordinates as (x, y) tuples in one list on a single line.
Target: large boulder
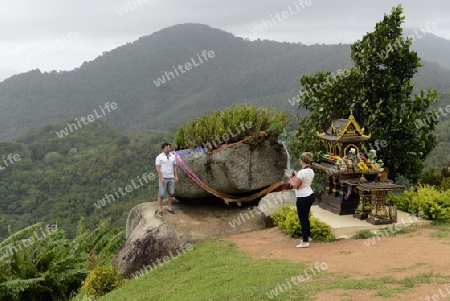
[(271, 201), (240, 169), (151, 240)]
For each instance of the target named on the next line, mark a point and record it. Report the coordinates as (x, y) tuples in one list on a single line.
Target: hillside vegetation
[(102, 169), (34, 106), (265, 73), (83, 174)]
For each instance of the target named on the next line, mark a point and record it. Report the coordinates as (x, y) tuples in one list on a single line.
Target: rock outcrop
[(149, 239), (270, 202), (236, 170)]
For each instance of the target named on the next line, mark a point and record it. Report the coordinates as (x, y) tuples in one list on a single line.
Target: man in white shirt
[(166, 167)]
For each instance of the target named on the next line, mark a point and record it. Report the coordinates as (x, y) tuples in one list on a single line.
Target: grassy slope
[(211, 271), (216, 270)]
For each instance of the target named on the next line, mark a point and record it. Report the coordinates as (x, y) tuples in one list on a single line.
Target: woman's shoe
[(303, 245)]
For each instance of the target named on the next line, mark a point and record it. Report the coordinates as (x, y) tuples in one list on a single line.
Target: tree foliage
[(70, 186), (378, 90), (41, 263)]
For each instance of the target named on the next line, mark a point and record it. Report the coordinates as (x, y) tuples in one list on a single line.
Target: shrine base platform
[(345, 226)]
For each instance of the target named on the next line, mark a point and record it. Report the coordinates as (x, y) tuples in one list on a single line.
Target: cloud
[(28, 25)]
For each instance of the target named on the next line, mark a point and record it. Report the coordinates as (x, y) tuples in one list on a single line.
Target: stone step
[(345, 226)]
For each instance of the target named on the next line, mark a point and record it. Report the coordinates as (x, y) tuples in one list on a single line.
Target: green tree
[(378, 90)]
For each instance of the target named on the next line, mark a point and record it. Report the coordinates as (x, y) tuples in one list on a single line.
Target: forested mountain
[(6, 73), (120, 145), (64, 179), (430, 47), (237, 71)]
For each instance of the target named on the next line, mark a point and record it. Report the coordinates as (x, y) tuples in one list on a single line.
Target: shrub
[(101, 281), (230, 125), (286, 218), (430, 177), (445, 184), (427, 202)]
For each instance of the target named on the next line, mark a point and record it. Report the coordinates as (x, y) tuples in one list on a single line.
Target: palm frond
[(14, 237)]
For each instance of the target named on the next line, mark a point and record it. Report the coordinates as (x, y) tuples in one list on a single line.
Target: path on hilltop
[(397, 256)]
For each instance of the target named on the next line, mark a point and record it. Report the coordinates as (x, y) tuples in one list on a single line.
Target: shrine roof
[(337, 124), (344, 130), (344, 138)]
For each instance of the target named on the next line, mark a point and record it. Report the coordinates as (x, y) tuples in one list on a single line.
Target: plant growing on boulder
[(230, 125)]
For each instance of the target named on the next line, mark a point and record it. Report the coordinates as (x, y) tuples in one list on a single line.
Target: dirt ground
[(397, 256), (197, 221)]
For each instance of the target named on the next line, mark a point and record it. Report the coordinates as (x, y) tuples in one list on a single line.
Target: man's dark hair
[(164, 145)]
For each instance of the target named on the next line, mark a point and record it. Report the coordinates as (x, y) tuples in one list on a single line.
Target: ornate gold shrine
[(347, 192), (338, 140)]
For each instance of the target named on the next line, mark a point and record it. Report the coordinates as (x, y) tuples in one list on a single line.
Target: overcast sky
[(62, 34)]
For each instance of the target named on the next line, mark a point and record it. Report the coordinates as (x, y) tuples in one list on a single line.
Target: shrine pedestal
[(364, 206), (376, 193)]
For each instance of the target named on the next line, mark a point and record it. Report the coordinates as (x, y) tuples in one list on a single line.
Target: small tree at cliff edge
[(377, 89)]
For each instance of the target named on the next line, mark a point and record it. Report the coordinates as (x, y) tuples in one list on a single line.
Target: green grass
[(442, 230), (416, 265), (213, 270), (390, 292), (217, 270), (363, 234), (405, 230)]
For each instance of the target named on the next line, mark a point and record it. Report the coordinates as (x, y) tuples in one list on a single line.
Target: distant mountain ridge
[(429, 46), (265, 73), (7, 73)]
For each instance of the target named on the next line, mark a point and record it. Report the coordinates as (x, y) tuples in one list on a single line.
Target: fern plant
[(51, 266)]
